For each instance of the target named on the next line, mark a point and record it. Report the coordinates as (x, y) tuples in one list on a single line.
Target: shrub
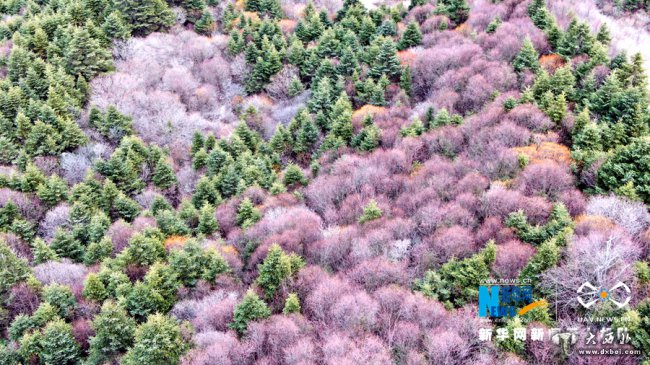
[(22, 299), (511, 258), (633, 216), (355, 311), (63, 272), (545, 178)]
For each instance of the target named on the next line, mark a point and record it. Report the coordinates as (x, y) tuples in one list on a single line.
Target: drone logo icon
[(589, 295)]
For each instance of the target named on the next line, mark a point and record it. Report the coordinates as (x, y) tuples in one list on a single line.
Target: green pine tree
[(386, 62), (85, 56), (114, 333), (158, 341), (405, 81), (293, 175), (292, 304), (251, 308), (527, 58), (604, 36), (341, 119), (370, 212), (145, 16), (207, 220), (205, 25), (163, 175), (277, 267), (411, 37), (247, 214)]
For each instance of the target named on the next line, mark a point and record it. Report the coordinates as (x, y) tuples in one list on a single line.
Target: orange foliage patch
[(546, 151), (368, 109), (229, 249), (287, 25), (254, 16), (406, 57), (175, 242), (361, 113), (551, 62), (239, 4), (594, 221), (464, 29)]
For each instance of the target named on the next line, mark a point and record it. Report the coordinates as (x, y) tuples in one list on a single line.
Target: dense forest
[(206, 182)]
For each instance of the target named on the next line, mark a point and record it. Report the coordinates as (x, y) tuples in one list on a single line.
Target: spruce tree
[(493, 25), (98, 250), (163, 175), (230, 182), (115, 26), (197, 142), (527, 58), (557, 109), (370, 212), (295, 87), (293, 175), (42, 252), (207, 221), (341, 118), (58, 345), (405, 81), (604, 36), (581, 121), (114, 333), (306, 136), (321, 98), (247, 214), (576, 40), (251, 308), (85, 56), (368, 138), (292, 304), (145, 16), (195, 9), (386, 62), (206, 25), (158, 341), (411, 37), (277, 267), (377, 92), (456, 10), (53, 191), (66, 245), (200, 159)]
